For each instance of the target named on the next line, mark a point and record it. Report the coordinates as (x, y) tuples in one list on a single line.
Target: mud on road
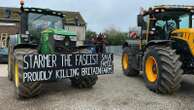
[(112, 92)]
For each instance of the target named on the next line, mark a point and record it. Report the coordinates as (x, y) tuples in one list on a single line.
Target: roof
[(44, 11), (12, 14), (72, 17), (175, 6), (169, 8), (9, 14)]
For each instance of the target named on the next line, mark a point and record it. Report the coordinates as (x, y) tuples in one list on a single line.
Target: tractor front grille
[(61, 47)]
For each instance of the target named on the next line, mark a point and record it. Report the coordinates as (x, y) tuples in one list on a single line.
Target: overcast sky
[(100, 14)]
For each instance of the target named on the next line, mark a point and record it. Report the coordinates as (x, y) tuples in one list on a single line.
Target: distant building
[(75, 22), (9, 24)]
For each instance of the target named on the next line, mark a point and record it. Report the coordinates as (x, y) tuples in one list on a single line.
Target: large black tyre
[(84, 81), (24, 90), (10, 65), (127, 62), (12, 41), (162, 69)]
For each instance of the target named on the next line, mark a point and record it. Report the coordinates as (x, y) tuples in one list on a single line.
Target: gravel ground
[(3, 70), (112, 92)]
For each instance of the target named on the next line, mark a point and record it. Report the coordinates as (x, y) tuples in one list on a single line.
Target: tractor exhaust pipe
[(22, 5)]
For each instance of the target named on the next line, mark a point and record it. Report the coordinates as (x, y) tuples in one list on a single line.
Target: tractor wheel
[(24, 90), (84, 81), (127, 62), (162, 69), (10, 65)]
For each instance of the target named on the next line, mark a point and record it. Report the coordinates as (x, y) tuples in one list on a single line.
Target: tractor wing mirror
[(140, 20)]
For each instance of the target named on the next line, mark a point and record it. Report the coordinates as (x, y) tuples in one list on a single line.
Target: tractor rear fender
[(155, 43), (158, 42), (11, 58)]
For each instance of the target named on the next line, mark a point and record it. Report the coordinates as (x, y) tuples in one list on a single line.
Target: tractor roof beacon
[(43, 50), (164, 50)]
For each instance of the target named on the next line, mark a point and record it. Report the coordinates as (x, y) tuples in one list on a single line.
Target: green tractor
[(164, 48), (42, 38)]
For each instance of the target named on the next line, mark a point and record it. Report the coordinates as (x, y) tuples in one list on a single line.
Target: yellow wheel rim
[(16, 75), (125, 61), (151, 69)]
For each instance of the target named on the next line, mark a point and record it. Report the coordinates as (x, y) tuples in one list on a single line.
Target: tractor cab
[(35, 20), (45, 28), (162, 21)]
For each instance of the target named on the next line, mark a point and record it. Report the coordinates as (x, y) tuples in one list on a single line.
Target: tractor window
[(171, 25), (160, 23), (144, 26), (160, 29), (184, 21), (145, 19), (39, 22)]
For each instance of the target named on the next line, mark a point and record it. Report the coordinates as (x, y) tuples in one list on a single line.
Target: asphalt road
[(112, 92)]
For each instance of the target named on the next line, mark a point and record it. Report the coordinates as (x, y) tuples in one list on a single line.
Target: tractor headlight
[(25, 37), (58, 37)]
